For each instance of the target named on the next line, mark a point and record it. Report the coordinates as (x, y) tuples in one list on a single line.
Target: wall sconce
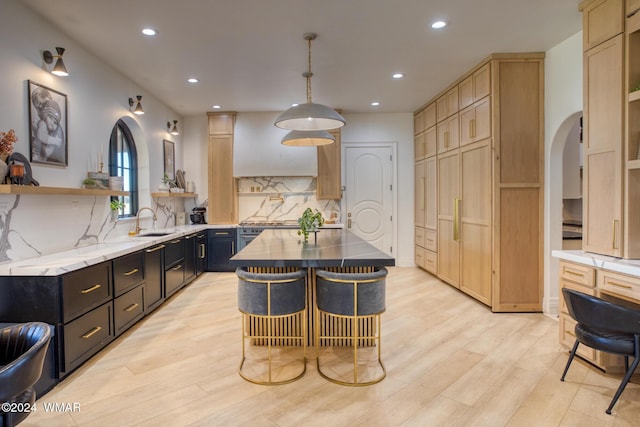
[(138, 110), (59, 69), (174, 130)]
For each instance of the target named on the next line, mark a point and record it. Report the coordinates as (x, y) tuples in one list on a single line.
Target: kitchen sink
[(154, 234)]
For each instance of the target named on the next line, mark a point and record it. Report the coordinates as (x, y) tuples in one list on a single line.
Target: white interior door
[(368, 194)]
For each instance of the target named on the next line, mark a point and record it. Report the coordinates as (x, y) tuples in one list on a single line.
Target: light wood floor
[(450, 362)]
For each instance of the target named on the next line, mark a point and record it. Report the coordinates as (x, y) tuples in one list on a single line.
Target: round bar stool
[(273, 307), (350, 305)]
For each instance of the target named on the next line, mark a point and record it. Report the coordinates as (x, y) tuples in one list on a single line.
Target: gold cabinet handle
[(619, 285), (614, 243), (156, 249), (175, 241), (424, 187), (473, 128), (222, 233), (129, 273), (177, 267), (456, 216), (91, 289), (574, 273), (131, 307), (446, 139), (202, 253), (92, 332), (571, 333)]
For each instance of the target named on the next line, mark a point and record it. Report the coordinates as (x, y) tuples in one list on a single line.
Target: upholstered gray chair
[(604, 326), (22, 352), (273, 307), (358, 299)]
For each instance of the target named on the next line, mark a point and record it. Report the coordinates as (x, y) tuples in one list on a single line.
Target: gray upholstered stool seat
[(355, 297), (264, 299)]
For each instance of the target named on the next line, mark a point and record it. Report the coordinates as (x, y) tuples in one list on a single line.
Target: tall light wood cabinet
[(329, 170), (223, 196), (490, 186)]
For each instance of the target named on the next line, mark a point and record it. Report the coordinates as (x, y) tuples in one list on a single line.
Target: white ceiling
[(250, 54)]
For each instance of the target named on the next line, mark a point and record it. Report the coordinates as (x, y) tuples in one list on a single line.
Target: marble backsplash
[(34, 225), (278, 198)]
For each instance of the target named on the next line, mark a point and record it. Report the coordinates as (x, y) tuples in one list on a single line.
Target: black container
[(197, 217)]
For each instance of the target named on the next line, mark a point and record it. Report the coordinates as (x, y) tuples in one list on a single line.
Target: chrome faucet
[(138, 218)]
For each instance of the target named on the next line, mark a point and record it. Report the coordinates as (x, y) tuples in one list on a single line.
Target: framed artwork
[(169, 160), (47, 125)]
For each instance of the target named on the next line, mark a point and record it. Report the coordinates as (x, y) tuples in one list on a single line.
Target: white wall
[(563, 105), (97, 96)]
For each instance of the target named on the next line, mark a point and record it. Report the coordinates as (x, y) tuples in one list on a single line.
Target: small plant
[(89, 182), (635, 88), (7, 139), (310, 221), (116, 205)]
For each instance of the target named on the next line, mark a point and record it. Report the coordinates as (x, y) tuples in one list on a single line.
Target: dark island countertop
[(334, 248)]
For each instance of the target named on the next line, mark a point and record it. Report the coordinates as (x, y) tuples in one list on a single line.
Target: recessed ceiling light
[(398, 75), (216, 107), (438, 24), (375, 104), (149, 32), (193, 80), (294, 105)]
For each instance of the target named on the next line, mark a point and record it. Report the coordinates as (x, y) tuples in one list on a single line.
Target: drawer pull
[(129, 273), (156, 249), (574, 273), (175, 241), (570, 333), (221, 233), (92, 332), (619, 285), (177, 267), (91, 289), (202, 250), (131, 307)]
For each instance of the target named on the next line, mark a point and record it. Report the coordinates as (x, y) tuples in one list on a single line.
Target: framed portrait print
[(47, 125), (169, 160)]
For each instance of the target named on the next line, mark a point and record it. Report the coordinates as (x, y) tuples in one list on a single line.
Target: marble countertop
[(74, 259), (619, 265), (334, 248)]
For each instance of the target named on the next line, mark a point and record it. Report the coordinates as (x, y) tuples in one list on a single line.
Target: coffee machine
[(197, 215)]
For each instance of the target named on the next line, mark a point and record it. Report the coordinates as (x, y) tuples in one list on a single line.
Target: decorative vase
[(114, 215), (4, 169)]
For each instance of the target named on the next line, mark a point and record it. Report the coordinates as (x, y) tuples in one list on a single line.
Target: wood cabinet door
[(420, 188), (602, 20), (222, 188), (475, 221), (329, 169), (418, 147), (448, 134), (603, 127), (431, 193), (475, 122), (448, 219), (431, 141)]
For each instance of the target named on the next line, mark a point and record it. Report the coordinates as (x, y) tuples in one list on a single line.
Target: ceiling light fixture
[(216, 107), (438, 24), (308, 138), (149, 32), (309, 116), (174, 130), (138, 110), (375, 104), (59, 69), (193, 80), (397, 75)]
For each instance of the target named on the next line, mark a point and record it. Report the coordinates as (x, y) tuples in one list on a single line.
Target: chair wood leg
[(571, 356)]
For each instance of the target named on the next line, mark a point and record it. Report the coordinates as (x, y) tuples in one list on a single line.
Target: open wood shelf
[(30, 189), (634, 96), (168, 194)]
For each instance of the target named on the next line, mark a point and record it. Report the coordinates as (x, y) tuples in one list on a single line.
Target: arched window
[(123, 162)]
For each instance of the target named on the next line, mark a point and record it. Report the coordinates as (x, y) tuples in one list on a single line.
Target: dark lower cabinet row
[(221, 246), (90, 307)]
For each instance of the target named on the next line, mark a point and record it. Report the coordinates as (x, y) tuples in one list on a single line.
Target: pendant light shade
[(308, 138), (309, 116)]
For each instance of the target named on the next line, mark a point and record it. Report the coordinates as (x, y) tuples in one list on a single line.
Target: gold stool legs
[(357, 339)]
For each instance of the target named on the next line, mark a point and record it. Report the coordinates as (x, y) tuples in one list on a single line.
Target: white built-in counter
[(619, 265)]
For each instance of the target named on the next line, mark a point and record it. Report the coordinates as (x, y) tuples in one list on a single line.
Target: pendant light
[(308, 138), (309, 116)]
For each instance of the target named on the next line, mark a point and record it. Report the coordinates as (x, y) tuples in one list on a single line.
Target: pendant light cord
[(309, 74)]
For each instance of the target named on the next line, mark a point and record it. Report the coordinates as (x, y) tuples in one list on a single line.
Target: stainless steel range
[(249, 230)]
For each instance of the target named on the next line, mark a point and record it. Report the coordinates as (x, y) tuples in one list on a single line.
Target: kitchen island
[(282, 250)]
